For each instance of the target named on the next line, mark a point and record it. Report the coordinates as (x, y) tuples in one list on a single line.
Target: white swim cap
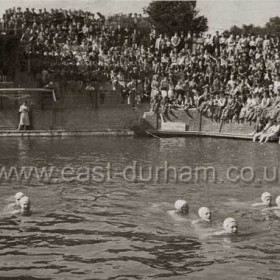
[(277, 201), (202, 211), (265, 195), (179, 204), (18, 195), (228, 221), (24, 200)]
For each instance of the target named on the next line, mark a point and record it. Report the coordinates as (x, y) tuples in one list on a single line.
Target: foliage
[(142, 24), (127, 20), (170, 16), (272, 28)]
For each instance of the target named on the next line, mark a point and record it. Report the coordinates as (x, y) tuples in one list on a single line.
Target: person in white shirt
[(270, 132), (276, 84), (175, 40), (24, 116), (159, 43)]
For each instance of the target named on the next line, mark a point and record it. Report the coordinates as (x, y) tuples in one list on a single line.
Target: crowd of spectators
[(223, 76)]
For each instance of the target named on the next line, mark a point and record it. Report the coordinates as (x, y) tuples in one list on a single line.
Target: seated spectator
[(164, 87), (272, 131)]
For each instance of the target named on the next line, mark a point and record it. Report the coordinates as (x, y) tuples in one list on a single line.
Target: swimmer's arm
[(195, 222), (212, 233), (257, 204), (10, 207), (271, 208), (218, 233), (14, 212)]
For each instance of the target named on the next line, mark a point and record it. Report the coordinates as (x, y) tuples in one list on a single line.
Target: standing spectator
[(208, 44), (132, 87), (216, 44), (24, 121), (175, 40), (159, 43)]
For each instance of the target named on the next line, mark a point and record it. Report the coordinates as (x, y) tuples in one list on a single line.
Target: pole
[(29, 64), (53, 116), (96, 95), (157, 120), (200, 122)]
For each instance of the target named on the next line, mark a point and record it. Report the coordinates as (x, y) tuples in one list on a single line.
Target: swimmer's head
[(277, 201), (205, 214), (230, 225), (18, 197), (266, 198), (25, 204), (181, 206)]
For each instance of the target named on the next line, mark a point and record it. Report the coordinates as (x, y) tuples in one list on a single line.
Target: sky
[(221, 14)]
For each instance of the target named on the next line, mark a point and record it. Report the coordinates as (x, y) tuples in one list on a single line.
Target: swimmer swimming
[(16, 204), (266, 200), (18, 197), (277, 207), (205, 216), (25, 207), (230, 227), (181, 209)]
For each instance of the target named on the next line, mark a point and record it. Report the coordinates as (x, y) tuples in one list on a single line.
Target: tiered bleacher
[(225, 77)]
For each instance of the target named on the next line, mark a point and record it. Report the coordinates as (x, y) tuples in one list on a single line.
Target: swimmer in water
[(15, 205), (230, 227), (277, 202), (275, 208), (18, 197), (25, 207), (266, 200), (205, 216), (181, 209)]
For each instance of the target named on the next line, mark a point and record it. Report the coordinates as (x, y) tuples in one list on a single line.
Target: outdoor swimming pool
[(107, 227)]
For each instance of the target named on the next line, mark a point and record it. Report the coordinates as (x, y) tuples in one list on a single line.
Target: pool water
[(119, 227)]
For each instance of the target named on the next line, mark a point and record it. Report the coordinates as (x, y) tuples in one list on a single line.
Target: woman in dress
[(24, 116)]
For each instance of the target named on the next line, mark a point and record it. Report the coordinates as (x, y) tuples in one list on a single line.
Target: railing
[(30, 90), (13, 96), (13, 31)]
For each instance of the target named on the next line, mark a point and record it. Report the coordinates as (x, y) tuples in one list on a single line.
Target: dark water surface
[(120, 229)]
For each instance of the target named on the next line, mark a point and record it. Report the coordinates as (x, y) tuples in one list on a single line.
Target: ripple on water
[(121, 230)]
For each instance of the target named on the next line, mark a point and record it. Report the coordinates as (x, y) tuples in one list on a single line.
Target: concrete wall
[(74, 110), (195, 123), (82, 110), (76, 119)]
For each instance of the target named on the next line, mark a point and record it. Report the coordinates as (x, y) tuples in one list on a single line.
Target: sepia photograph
[(139, 140)]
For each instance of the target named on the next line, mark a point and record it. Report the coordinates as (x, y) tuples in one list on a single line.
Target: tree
[(235, 30), (127, 20), (170, 16), (246, 29), (273, 26)]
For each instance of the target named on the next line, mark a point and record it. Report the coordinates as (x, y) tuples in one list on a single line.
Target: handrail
[(30, 90)]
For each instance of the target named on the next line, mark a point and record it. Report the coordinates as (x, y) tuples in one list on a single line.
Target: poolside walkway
[(57, 133)]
